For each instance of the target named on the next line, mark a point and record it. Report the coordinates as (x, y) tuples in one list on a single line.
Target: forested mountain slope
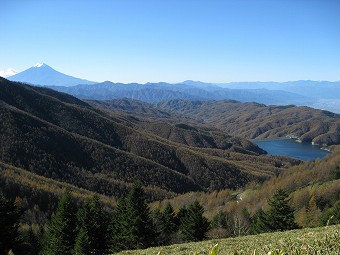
[(314, 189), (253, 120), (39, 195), (174, 127), (60, 137)]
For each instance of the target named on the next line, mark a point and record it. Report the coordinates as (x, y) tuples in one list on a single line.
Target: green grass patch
[(323, 240)]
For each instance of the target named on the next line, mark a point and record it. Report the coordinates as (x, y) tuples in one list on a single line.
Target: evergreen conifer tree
[(165, 225), (82, 243), (159, 227), (169, 216), (9, 224), (93, 221), (259, 223), (140, 222), (332, 215), (132, 225), (280, 215), (193, 224), (119, 226), (180, 215), (41, 237), (61, 231), (219, 220)]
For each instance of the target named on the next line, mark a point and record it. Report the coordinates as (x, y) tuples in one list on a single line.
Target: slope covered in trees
[(9, 224), (85, 228), (60, 137), (51, 141), (174, 127), (249, 120), (253, 120), (313, 188)]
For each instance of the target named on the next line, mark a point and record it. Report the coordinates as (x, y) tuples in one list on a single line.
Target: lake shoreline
[(291, 147)]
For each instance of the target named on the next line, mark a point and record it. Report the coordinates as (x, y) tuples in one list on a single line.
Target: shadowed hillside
[(60, 137), (174, 127)]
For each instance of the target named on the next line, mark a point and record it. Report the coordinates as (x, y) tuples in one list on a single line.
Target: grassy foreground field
[(324, 240)]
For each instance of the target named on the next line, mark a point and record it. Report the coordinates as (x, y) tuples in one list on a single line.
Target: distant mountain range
[(157, 92), (313, 89), (318, 94), (327, 94), (44, 75)]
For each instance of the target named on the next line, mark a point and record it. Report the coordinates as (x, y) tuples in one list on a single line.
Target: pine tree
[(259, 223), (120, 227), (193, 224), (159, 228), (82, 243), (180, 215), (140, 222), (332, 215), (9, 224), (169, 216), (41, 236), (165, 225), (61, 231), (219, 220), (280, 215), (132, 225), (92, 219)]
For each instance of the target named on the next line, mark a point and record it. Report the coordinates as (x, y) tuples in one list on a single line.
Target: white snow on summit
[(7, 73), (44, 75), (38, 65)]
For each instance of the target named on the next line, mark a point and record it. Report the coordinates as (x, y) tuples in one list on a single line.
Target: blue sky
[(172, 41)]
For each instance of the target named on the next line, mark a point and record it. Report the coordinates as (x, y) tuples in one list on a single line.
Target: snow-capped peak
[(7, 73), (39, 65)]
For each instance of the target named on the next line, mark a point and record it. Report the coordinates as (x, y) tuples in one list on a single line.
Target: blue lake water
[(291, 148)]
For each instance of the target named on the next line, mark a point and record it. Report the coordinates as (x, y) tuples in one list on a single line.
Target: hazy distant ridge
[(157, 92), (318, 94)]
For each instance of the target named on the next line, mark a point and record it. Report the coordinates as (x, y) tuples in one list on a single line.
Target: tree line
[(89, 229)]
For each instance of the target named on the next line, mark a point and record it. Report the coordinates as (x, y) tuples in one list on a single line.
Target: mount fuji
[(44, 75)]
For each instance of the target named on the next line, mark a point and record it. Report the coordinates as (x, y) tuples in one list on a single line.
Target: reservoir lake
[(291, 148)]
